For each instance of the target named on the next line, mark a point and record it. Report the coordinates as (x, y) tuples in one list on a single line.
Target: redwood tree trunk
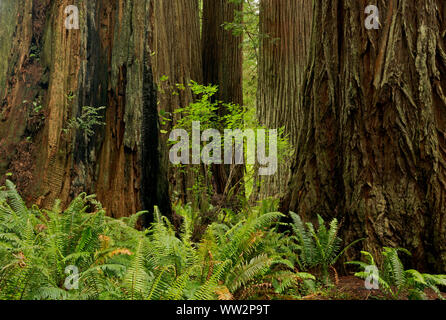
[(104, 63), (177, 59), (285, 30), (371, 141), (222, 66)]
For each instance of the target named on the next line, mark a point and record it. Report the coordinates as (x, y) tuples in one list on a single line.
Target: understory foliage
[(394, 280), (81, 254), (318, 249), (40, 250), (205, 110)]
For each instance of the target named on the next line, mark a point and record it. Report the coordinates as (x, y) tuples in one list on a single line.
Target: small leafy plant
[(36, 104), (88, 119), (397, 282)]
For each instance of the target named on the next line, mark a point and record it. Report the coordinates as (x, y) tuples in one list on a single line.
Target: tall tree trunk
[(222, 66), (371, 142), (176, 60), (104, 63), (285, 30)]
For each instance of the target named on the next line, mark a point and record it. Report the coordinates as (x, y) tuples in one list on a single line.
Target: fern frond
[(246, 272)]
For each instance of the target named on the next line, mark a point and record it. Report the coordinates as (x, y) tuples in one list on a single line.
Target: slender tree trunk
[(222, 66), (285, 30), (371, 141), (177, 60), (104, 63)]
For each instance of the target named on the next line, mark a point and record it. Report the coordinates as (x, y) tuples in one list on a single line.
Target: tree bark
[(176, 60), (104, 63), (371, 136), (222, 66), (285, 30)]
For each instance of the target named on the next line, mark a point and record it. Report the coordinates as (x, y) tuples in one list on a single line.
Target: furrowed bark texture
[(285, 28), (104, 63), (176, 60), (371, 140), (222, 66)]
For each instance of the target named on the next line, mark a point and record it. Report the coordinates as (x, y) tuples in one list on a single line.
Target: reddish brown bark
[(177, 60), (371, 140), (285, 30), (222, 66), (104, 63)]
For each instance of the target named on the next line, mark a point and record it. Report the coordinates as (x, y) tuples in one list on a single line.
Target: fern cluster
[(79, 253), (38, 247), (318, 249), (40, 250), (395, 280)]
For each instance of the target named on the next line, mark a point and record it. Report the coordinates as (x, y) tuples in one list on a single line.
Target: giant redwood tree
[(222, 66), (49, 73), (177, 60), (285, 29), (372, 126)]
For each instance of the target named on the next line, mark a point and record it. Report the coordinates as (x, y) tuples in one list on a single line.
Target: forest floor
[(352, 288)]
